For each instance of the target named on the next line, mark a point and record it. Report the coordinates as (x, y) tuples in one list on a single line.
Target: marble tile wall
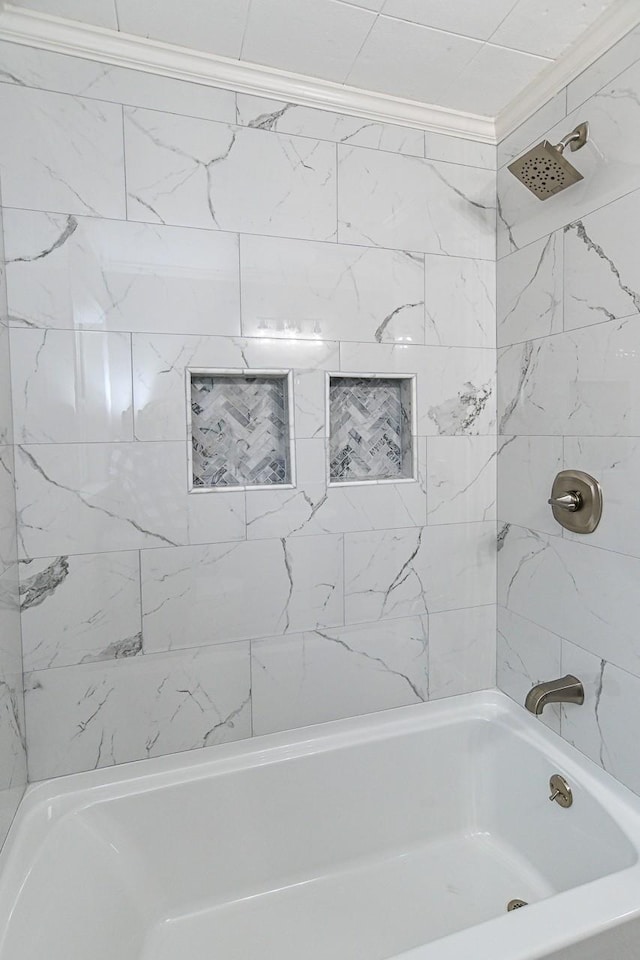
[(151, 226), (13, 767), (568, 321)]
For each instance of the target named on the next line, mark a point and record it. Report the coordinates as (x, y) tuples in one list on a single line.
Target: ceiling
[(469, 55)]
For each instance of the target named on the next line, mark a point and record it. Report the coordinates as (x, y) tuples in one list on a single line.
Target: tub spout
[(565, 690)]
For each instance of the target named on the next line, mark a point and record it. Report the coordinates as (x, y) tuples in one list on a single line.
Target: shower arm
[(574, 140)]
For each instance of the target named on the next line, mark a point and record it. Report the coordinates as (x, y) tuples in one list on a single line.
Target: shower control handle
[(571, 501)]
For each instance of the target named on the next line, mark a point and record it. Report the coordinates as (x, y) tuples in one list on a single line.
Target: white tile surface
[(580, 592), (98, 714), (602, 273), (333, 673), (601, 727), (461, 479), (84, 498), (198, 595), (8, 543), (437, 146), (530, 291), (90, 274), (546, 28), (585, 383), (102, 13), (491, 80), (409, 60), (462, 651), (197, 173), (313, 508), (455, 386), (528, 654), (605, 68), (460, 302), (316, 37), (526, 470), (12, 731), (293, 288), (80, 609), (398, 573), (412, 204), (216, 28), (28, 66), (71, 386), (61, 153), (160, 362), (472, 20), (615, 462), (283, 117)]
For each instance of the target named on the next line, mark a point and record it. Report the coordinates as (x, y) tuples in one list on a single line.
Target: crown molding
[(34, 29), (610, 27), (70, 37)]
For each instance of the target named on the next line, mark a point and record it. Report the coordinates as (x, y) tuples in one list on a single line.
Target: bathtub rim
[(569, 917)]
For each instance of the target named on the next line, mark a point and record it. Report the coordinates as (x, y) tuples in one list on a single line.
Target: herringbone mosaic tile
[(240, 431), (370, 428)]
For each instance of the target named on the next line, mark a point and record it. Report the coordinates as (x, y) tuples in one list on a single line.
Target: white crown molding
[(610, 27), (71, 37), (34, 29)]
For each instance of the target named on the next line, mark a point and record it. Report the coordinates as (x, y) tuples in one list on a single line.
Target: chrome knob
[(571, 501)]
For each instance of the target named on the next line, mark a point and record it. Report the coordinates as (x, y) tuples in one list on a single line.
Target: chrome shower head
[(544, 170)]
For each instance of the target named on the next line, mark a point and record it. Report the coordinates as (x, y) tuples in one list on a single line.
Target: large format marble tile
[(530, 291), (455, 385), (202, 174), (580, 592), (61, 153), (210, 594), (527, 654), (461, 479), (533, 129), (608, 164), (291, 118), (13, 772), (615, 463), (71, 386), (585, 382), (602, 275), (98, 714), (400, 573), (315, 508), (84, 498), (471, 153), (30, 67), (341, 672), (160, 366), (460, 302), (293, 288), (602, 71), (85, 273), (80, 609), (6, 414), (217, 28), (8, 542), (527, 467), (462, 651), (602, 727), (411, 204)]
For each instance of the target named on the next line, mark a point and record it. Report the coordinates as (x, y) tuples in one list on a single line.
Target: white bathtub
[(354, 840)]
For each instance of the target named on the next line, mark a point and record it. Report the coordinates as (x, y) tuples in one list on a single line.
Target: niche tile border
[(237, 375), (411, 440)]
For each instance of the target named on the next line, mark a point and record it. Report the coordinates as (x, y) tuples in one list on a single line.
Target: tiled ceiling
[(470, 55)]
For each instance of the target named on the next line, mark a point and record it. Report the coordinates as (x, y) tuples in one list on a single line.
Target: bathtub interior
[(361, 851)]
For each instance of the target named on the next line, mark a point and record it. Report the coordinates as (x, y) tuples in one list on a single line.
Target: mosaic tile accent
[(370, 429), (240, 430)]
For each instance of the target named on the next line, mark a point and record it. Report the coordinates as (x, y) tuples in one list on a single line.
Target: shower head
[(544, 170)]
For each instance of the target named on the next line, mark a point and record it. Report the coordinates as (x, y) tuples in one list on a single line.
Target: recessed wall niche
[(371, 428), (240, 428)]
